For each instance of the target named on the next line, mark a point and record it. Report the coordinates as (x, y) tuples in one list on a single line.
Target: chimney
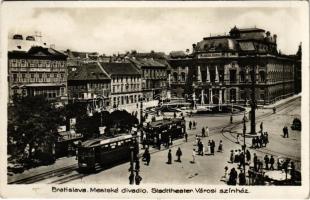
[(275, 38)]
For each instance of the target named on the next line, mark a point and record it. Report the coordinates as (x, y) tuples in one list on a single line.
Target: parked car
[(296, 124)]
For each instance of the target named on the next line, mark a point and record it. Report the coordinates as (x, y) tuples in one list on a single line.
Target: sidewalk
[(282, 101), (60, 163)]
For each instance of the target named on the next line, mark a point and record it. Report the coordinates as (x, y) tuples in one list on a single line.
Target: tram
[(165, 128), (106, 151)]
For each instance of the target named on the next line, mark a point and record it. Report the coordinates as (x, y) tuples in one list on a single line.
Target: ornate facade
[(37, 71), (221, 69)]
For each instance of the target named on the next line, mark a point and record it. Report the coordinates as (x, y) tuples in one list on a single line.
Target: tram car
[(163, 129), (106, 151)]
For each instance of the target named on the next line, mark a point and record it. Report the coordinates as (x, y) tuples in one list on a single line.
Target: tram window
[(113, 146)]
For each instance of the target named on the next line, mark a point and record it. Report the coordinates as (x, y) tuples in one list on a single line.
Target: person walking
[(212, 147), (261, 127), (179, 154), (193, 155), (147, 156), (232, 156), (248, 156), (203, 132), (242, 179), (255, 161), (286, 130), (207, 131), (190, 125), (237, 139), (185, 135), (271, 161), (232, 177), (220, 148), (194, 125), (266, 159), (169, 157)]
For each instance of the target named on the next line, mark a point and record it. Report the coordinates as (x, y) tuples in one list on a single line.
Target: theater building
[(36, 70), (222, 68)]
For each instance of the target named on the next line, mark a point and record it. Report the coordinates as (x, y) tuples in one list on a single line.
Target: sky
[(165, 29)]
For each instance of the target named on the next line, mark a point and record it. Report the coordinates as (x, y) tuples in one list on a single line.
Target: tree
[(32, 124)]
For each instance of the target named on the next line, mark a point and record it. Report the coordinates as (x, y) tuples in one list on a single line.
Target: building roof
[(147, 62), (251, 30), (38, 52), (217, 44), (177, 54), (119, 68), (87, 71)]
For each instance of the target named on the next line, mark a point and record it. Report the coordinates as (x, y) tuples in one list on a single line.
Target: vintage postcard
[(157, 100)]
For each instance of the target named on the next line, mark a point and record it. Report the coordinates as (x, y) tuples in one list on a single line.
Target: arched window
[(175, 76), (262, 76)]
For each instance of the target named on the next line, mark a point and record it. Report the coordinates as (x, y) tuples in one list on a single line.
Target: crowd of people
[(260, 141)]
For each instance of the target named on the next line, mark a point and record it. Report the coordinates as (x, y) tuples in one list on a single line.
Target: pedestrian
[(286, 130), (169, 156), (261, 139), (224, 177), (241, 160), (179, 154), (248, 156), (207, 131), (159, 141), (231, 118), (266, 136), (220, 148), (236, 160), (237, 139), (190, 125), (274, 110), (203, 149), (266, 159), (261, 127), (232, 156), (203, 132), (185, 135), (232, 177), (174, 115), (212, 147), (147, 156), (271, 161), (255, 162), (242, 179), (193, 155), (194, 125), (253, 142)]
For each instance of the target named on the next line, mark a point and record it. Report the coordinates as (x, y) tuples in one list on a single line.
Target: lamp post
[(244, 133)]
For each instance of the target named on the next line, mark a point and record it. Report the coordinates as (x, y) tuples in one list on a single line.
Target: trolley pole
[(141, 111), (244, 145), (253, 100), (131, 176)]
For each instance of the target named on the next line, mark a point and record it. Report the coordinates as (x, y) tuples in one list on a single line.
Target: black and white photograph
[(153, 99)]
